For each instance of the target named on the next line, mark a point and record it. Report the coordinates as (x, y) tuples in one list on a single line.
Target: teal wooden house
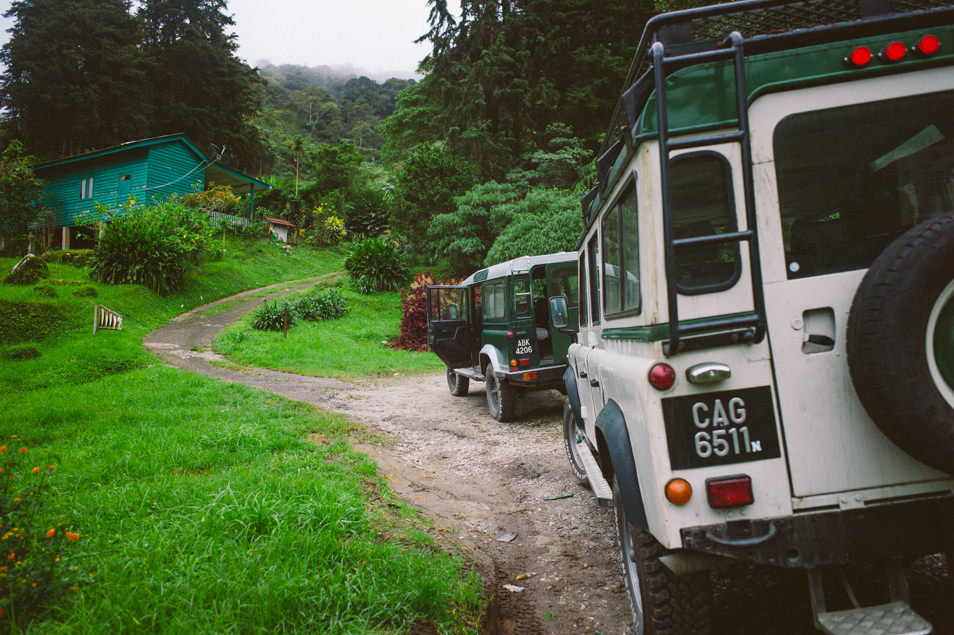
[(148, 169)]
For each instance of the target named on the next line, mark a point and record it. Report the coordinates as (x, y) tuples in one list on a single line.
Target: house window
[(86, 188)]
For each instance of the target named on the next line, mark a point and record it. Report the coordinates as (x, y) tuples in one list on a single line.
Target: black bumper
[(548, 377), (812, 539)]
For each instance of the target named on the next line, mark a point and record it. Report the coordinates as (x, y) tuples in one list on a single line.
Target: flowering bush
[(324, 227), (34, 540), (218, 198), (414, 307)]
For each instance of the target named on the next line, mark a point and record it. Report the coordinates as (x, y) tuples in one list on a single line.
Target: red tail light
[(662, 376), (730, 491)]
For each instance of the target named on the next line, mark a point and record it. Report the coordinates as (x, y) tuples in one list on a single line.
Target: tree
[(21, 195), (74, 77), (426, 185), (200, 87)]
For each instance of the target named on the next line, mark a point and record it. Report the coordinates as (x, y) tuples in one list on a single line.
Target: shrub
[(20, 352), (413, 335), (326, 228), (28, 271), (271, 316), (320, 304), (152, 246), (23, 321), (44, 289), (364, 286), (35, 540), (379, 262), (86, 291)]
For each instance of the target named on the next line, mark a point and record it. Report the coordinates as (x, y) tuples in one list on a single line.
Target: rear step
[(602, 489), (894, 618)]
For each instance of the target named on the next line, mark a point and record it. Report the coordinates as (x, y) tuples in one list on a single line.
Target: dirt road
[(483, 482)]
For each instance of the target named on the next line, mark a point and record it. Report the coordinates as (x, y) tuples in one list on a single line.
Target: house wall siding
[(174, 169), (63, 185)]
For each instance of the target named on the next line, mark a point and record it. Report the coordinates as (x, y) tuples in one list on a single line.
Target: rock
[(28, 271)]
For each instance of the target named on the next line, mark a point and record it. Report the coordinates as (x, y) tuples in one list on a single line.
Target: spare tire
[(901, 342)]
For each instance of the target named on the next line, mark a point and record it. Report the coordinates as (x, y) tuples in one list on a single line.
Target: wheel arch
[(614, 447), (490, 356)]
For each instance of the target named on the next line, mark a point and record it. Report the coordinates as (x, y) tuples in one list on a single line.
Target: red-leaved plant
[(414, 306)]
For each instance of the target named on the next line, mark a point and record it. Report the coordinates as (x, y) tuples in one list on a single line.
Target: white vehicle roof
[(523, 263)]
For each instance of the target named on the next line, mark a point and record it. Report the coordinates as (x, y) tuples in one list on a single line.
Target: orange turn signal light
[(678, 491)]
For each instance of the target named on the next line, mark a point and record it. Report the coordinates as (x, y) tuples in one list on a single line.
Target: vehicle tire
[(573, 433), (501, 398), (661, 602), (459, 386), (901, 342)]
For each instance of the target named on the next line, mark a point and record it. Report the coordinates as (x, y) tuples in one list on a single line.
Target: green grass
[(210, 507), (356, 345)]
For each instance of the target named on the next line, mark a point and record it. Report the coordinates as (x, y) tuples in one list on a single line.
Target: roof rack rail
[(772, 23)]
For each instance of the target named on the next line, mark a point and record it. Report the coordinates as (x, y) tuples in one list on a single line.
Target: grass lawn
[(200, 506), (354, 346)]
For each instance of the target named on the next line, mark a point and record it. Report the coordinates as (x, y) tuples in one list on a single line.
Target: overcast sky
[(374, 35)]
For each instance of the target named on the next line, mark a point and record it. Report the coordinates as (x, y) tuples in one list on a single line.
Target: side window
[(621, 257), (593, 250), (521, 295), (494, 300), (584, 314), (703, 205)]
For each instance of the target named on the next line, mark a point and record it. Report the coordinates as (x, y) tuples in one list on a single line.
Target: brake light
[(894, 52), (662, 376), (509, 335), (929, 45), (729, 491), (524, 362), (860, 56)]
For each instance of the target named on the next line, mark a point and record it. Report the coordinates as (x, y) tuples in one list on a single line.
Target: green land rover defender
[(495, 326)]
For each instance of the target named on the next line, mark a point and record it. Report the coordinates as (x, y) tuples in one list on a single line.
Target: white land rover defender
[(764, 369)]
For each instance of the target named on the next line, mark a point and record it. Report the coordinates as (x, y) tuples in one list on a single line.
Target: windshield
[(854, 178)]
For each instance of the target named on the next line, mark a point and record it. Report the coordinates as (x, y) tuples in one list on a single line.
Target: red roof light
[(895, 52), (929, 45), (860, 56)]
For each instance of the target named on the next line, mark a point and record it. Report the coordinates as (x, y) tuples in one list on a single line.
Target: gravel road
[(483, 481)]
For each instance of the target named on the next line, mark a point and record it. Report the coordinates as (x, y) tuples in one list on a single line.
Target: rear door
[(449, 330), (562, 280), (868, 161)]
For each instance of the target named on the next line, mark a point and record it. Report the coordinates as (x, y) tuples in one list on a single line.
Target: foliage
[(335, 167), (86, 291), (271, 316), (35, 538), (28, 271), (414, 312), (501, 70), (324, 228), (544, 231), (426, 185), (378, 263), (22, 351), (561, 164), (21, 194), (75, 77), (368, 214), (152, 246), (45, 289), (320, 304)]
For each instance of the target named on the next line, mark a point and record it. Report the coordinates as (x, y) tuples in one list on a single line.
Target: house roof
[(215, 172), (278, 221)]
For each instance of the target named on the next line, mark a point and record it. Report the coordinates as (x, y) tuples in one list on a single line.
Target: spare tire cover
[(901, 342)]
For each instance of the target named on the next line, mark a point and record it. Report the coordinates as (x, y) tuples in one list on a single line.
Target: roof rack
[(765, 25)]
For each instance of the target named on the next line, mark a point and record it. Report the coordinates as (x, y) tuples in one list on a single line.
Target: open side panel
[(449, 331)]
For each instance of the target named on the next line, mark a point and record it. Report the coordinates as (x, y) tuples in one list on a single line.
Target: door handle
[(582, 374), (594, 382)]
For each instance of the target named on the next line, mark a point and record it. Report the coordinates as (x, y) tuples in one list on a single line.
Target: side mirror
[(558, 314)]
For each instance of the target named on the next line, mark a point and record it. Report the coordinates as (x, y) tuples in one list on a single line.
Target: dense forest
[(481, 160)]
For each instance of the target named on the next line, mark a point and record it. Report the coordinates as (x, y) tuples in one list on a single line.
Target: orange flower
[(72, 536), (12, 556), (23, 450), (3, 448), (52, 467), (35, 470), (3, 613), (51, 533)]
